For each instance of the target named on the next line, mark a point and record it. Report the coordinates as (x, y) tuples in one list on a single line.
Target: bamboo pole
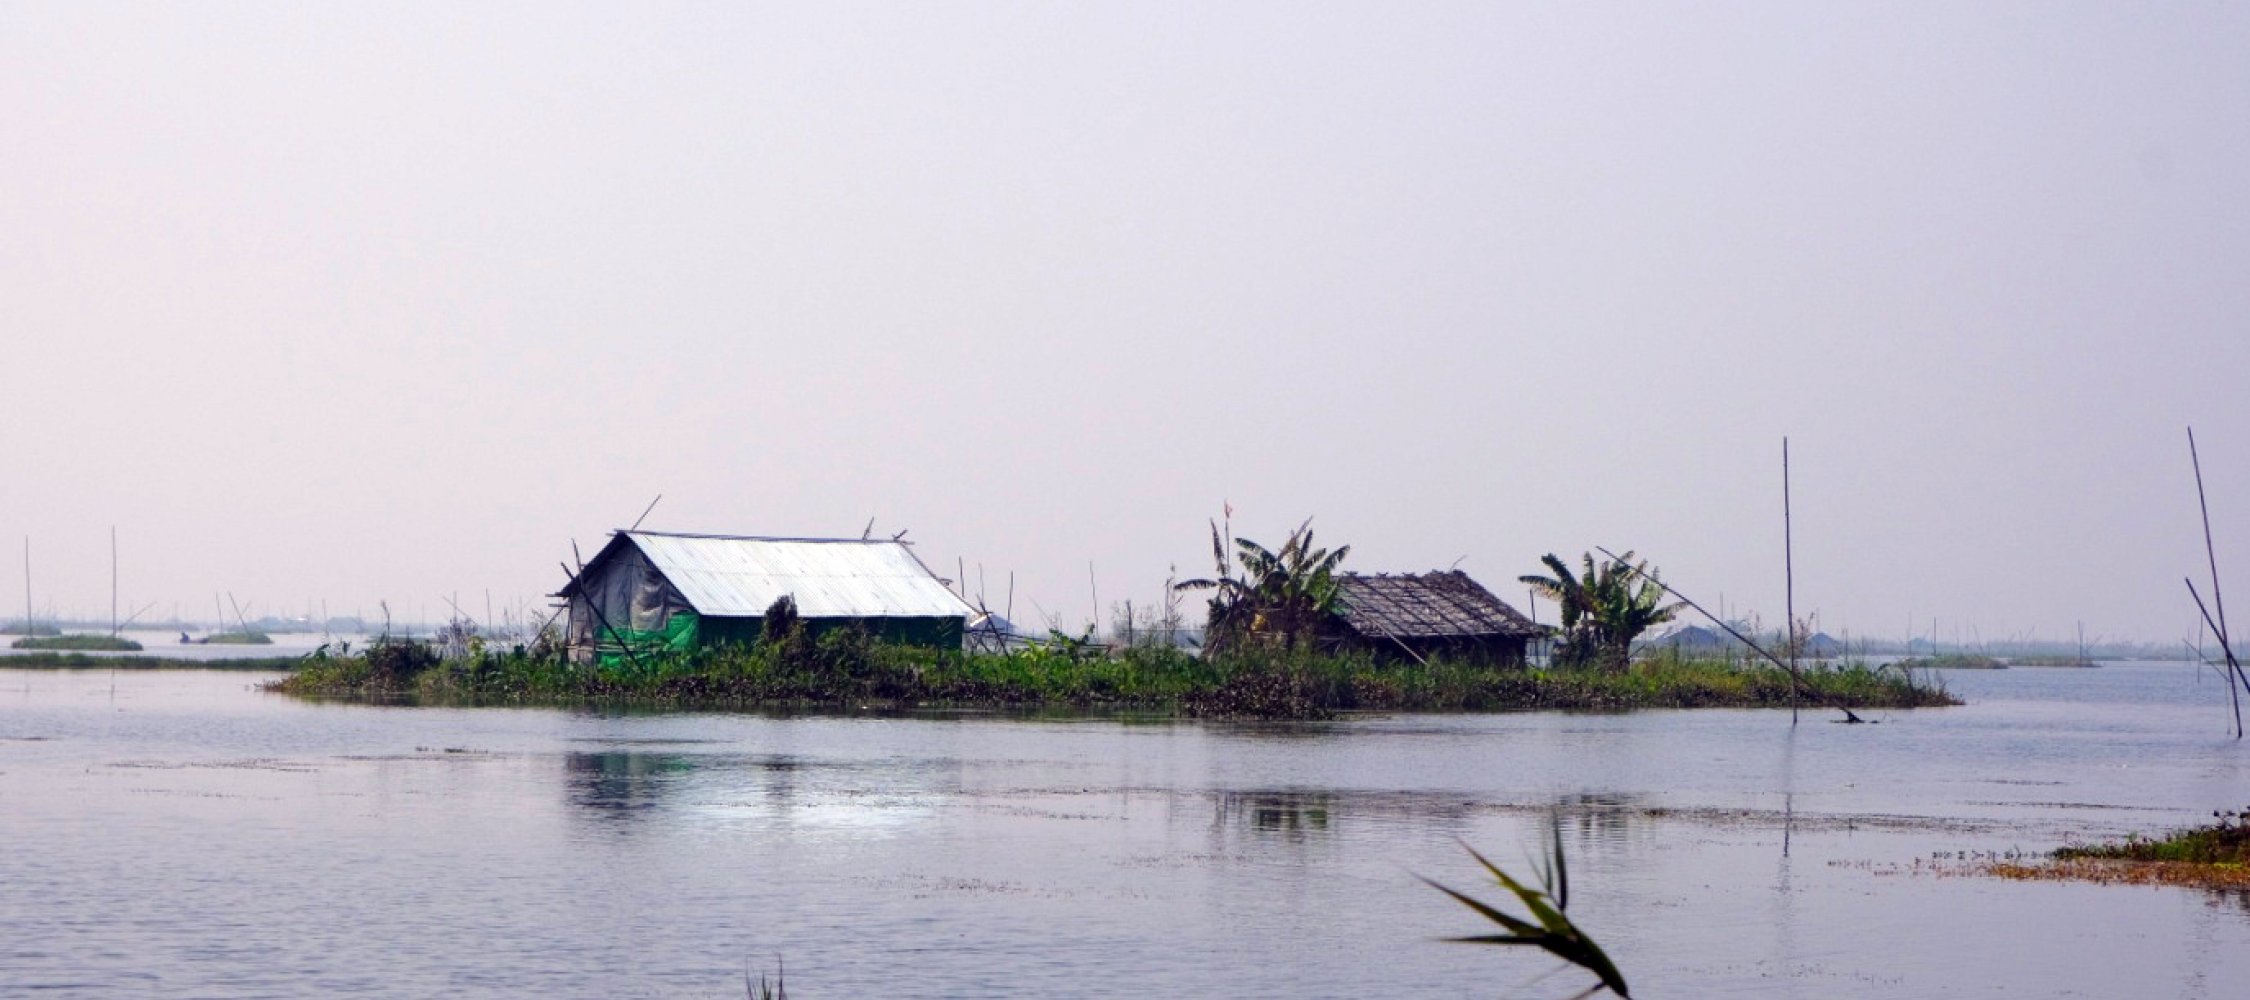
[(1797, 682), (1789, 577), (2211, 552), (622, 642), (645, 511), (2233, 697)]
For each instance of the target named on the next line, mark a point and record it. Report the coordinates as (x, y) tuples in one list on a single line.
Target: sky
[(352, 303)]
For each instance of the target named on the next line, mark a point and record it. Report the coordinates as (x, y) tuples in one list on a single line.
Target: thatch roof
[(1436, 605)]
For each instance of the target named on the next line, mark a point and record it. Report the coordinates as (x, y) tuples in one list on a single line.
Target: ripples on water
[(183, 834)]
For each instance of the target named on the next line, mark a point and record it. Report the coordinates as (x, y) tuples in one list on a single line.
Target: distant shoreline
[(106, 661)]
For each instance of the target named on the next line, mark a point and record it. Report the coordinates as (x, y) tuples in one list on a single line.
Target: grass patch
[(82, 642), (2225, 842), (237, 639), (2213, 856), (1952, 661), (2110, 871), (845, 669)]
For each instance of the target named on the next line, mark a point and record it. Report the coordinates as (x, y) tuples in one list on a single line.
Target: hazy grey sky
[(386, 301)]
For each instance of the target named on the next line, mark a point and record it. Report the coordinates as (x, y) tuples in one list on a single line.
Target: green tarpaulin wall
[(686, 630), (681, 632)]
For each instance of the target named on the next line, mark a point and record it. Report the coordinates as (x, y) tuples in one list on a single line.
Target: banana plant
[(1287, 595), (1603, 609)]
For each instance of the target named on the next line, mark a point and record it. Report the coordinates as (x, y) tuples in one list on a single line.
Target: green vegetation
[(238, 639), (764, 989), (846, 669), (83, 642), (1603, 610), (2051, 661), (2224, 842), (2214, 857), (1549, 929), (1951, 661), (82, 661), (1283, 598)]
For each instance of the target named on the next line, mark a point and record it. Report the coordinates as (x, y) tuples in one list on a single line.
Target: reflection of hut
[(652, 590), (1420, 615)]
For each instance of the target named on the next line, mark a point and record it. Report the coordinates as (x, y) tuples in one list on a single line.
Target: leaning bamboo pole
[(1797, 681), (2218, 625)]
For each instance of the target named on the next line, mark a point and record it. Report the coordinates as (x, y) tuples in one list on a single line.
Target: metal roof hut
[(1421, 615), (661, 591)]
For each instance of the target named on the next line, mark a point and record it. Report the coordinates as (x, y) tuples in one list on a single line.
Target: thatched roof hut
[(1442, 613)]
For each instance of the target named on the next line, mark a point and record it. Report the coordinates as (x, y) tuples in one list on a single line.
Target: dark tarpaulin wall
[(625, 598)]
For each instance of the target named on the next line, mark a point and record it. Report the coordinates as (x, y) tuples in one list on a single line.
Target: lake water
[(166, 644), (179, 833)]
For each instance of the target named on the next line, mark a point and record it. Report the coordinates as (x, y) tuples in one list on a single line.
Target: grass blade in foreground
[(1552, 932)]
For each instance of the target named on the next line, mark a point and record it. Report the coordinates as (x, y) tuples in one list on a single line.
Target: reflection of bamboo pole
[(1797, 681)]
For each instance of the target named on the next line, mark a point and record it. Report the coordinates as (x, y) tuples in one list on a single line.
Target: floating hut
[(1421, 615), (654, 590)]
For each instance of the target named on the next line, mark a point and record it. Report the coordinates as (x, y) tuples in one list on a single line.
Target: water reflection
[(1292, 815), (645, 855), (1600, 817), (623, 782)]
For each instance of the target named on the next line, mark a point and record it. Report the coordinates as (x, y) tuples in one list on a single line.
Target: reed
[(1549, 928)]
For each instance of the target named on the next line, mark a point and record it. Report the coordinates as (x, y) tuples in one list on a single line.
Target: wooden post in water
[(1789, 578), (27, 629), (113, 581)]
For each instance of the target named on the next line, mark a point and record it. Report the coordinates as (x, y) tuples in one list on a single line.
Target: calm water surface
[(182, 834)]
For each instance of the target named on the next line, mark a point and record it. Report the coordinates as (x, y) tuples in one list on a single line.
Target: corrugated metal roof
[(829, 578)]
